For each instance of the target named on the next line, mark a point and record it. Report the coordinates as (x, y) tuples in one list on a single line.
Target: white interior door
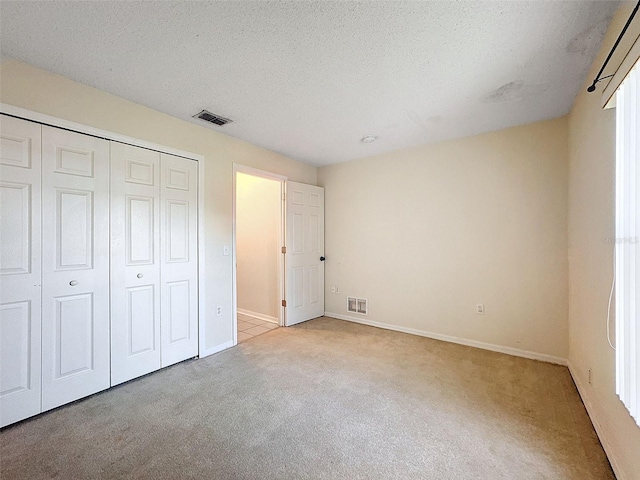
[(135, 262), (305, 253), (179, 263), (75, 266), (20, 270)]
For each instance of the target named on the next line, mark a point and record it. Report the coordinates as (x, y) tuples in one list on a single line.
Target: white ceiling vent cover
[(212, 118)]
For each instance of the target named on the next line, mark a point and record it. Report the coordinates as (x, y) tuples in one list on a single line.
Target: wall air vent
[(357, 305), (212, 118)]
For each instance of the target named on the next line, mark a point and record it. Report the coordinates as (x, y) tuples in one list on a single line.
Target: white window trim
[(628, 242)]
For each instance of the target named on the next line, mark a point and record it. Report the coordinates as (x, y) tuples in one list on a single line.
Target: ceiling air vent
[(212, 118)]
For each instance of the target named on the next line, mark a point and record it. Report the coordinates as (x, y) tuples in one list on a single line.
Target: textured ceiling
[(310, 79)]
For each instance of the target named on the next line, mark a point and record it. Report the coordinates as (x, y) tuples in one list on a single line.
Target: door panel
[(75, 323), (179, 306), (314, 290), (140, 227), (74, 233), (15, 323), (135, 262), (74, 161), (179, 269), (141, 321), (20, 269), (177, 224), (75, 266), (15, 215), (305, 241)]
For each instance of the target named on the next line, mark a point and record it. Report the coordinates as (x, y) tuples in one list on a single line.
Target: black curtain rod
[(592, 88)]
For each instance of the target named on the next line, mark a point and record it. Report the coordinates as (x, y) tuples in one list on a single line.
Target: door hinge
[(283, 249), (284, 303)]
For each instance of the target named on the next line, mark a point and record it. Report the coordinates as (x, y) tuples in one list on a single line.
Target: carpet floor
[(326, 399)]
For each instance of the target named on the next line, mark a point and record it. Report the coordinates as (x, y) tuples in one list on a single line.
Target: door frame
[(238, 168), (43, 119)]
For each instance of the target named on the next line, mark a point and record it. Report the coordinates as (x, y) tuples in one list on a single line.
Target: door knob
[(139, 275), (73, 283), (322, 259)]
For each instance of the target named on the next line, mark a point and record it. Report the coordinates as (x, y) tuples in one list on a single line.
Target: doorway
[(259, 237)]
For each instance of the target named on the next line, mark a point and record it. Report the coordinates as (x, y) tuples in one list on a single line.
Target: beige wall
[(591, 221), (28, 87), (427, 233), (258, 237)]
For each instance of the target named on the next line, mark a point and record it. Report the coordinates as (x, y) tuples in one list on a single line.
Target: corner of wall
[(591, 218)]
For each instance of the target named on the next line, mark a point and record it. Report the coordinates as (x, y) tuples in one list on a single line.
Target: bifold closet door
[(20, 272), (154, 272), (179, 264), (75, 266), (135, 262)]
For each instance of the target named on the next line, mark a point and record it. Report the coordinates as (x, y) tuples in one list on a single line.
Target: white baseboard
[(448, 338), (258, 316), (604, 440), (216, 349)]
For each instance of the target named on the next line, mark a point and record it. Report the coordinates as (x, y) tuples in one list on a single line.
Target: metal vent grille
[(357, 305), (212, 118)]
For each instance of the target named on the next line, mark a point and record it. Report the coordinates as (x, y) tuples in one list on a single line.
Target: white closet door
[(179, 267), (20, 270), (135, 262), (75, 266)]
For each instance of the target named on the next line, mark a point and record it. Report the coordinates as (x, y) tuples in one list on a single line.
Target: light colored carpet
[(325, 399)]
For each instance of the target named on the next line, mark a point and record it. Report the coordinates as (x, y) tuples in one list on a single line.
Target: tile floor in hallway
[(249, 327)]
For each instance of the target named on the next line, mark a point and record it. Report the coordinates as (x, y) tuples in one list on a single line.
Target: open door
[(304, 297)]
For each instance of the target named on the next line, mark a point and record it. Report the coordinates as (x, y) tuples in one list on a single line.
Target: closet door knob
[(73, 283), (139, 275)]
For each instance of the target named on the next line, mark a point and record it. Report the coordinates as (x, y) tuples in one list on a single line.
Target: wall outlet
[(480, 309), (225, 250), (219, 310), (337, 289)]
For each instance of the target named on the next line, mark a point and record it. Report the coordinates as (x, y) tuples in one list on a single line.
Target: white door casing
[(75, 266), (305, 247), (20, 269), (179, 259), (135, 262)]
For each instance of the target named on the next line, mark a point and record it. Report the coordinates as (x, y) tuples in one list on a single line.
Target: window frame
[(627, 242)]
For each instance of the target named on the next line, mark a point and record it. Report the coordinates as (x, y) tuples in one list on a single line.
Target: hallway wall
[(258, 225)]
